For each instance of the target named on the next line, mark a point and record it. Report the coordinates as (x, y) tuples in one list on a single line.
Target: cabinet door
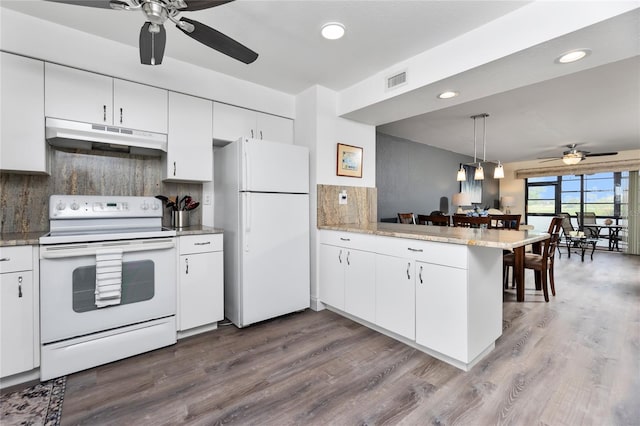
[(332, 261), (190, 146), (201, 290), (441, 309), (77, 95), (231, 123), (22, 115), (395, 295), (140, 107), (16, 323), (360, 284), (274, 128)]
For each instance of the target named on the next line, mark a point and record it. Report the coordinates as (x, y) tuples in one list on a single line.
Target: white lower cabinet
[(441, 309), (395, 295), (18, 311), (200, 281)]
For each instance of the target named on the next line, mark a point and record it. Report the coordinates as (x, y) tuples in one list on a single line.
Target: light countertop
[(493, 238), (21, 238), (197, 230)]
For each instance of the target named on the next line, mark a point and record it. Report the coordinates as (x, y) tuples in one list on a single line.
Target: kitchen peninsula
[(438, 289)]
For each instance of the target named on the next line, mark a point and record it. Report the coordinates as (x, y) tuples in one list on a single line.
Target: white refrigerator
[(261, 200)]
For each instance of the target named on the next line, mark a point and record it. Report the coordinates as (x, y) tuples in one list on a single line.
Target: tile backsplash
[(361, 205), (24, 199)]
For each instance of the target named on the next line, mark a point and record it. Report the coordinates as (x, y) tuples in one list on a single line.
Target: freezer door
[(275, 256), (274, 167)]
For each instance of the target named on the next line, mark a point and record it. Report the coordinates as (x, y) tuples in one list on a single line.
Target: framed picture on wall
[(471, 186), (349, 161)]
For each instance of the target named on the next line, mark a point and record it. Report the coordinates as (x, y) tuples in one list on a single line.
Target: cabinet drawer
[(190, 244), (13, 259), (446, 254), (354, 240)]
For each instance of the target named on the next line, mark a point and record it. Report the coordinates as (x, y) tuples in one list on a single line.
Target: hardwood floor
[(572, 361)]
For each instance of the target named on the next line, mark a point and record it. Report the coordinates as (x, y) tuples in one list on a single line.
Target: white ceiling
[(597, 107)]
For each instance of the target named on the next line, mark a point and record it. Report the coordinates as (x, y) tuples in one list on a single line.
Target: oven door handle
[(70, 251)]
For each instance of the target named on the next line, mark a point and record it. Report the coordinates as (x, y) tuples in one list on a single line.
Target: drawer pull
[(5, 259), (202, 244), (412, 249), (345, 239)]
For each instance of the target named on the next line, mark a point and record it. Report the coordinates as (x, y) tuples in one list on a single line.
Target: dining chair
[(406, 218), (471, 221), (436, 220), (506, 221), (542, 263)]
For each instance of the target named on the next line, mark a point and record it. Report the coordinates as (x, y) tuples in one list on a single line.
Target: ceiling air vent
[(396, 80)]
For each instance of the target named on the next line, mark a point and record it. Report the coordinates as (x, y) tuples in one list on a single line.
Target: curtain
[(634, 213)]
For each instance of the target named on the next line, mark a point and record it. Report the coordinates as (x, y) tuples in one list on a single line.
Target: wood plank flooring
[(572, 361)]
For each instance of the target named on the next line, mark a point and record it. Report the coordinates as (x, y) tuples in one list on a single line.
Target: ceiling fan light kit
[(153, 38), (573, 155)]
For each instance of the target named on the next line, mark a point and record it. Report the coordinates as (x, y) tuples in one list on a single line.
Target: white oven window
[(137, 285)]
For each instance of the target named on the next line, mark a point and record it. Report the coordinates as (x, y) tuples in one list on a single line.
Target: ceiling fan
[(574, 156), (157, 12)]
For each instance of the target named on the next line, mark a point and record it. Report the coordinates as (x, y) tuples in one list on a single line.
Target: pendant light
[(462, 174), (479, 174), (498, 172)]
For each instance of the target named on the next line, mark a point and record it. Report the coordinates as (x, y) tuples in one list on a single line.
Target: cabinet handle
[(5, 259), (348, 254), (412, 249), (186, 262), (345, 239), (420, 275), (260, 134), (251, 133), (202, 244), (120, 115), (20, 286), (408, 267), (340, 256), (174, 168), (104, 113)]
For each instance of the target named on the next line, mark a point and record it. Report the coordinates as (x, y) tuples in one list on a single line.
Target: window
[(606, 194)]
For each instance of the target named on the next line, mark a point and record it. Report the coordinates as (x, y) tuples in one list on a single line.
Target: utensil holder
[(179, 218)]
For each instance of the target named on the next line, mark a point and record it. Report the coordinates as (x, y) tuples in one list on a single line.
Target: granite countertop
[(21, 238), (493, 238), (197, 230)]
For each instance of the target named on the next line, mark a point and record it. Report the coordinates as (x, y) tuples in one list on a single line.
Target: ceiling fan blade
[(203, 4), (548, 159), (600, 154), (218, 41), (152, 44), (103, 4)]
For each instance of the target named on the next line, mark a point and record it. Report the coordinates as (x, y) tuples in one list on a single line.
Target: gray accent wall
[(412, 177)]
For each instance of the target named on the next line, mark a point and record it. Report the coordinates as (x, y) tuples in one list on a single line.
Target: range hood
[(74, 134)]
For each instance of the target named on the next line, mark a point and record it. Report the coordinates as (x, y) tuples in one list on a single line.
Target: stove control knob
[(155, 206), (144, 206), (75, 206), (61, 206)]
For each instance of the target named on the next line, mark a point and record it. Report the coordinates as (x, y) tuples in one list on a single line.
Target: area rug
[(40, 404)]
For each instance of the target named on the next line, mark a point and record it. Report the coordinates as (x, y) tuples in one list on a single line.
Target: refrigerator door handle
[(245, 146), (247, 220)]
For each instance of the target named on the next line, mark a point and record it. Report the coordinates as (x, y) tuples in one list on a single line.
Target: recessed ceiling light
[(447, 95), (332, 30), (573, 55)]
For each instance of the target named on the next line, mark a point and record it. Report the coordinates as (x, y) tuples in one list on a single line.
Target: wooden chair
[(506, 221), (471, 221), (436, 220), (406, 218), (542, 263)]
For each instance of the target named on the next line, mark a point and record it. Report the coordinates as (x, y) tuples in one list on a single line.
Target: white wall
[(29, 36), (318, 127)]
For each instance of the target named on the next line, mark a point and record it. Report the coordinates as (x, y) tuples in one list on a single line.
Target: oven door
[(68, 282)]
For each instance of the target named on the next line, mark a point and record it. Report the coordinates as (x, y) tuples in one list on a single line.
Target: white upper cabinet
[(231, 123), (22, 115), (190, 145), (141, 107), (78, 95)]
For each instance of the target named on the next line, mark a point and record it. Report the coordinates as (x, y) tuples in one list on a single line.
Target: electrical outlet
[(342, 197), (207, 199)]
